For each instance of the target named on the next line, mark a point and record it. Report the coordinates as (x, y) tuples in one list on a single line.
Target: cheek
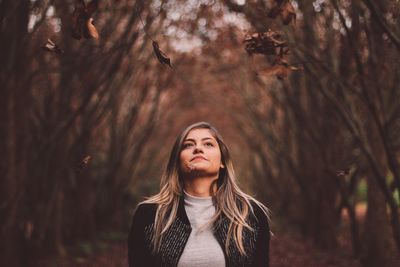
[(216, 157), (182, 161), (183, 156)]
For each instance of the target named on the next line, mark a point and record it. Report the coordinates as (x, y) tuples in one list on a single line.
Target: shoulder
[(261, 213), (145, 213), (145, 208)]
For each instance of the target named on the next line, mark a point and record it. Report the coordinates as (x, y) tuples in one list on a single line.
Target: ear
[(222, 166)]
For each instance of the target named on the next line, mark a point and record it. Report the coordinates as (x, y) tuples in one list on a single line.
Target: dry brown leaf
[(50, 46), (265, 43), (285, 10), (28, 230), (288, 13), (82, 21), (92, 32), (343, 172), (281, 69), (274, 37), (84, 162), (162, 58)]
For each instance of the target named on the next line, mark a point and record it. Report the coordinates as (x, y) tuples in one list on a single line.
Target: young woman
[(200, 217)]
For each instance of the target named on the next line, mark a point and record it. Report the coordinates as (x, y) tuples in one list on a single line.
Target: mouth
[(198, 157)]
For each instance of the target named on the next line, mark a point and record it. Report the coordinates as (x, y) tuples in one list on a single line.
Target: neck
[(199, 186)]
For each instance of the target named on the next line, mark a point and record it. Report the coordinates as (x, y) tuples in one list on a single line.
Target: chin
[(203, 171)]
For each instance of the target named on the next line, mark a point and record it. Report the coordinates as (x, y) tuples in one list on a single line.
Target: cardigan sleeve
[(261, 258), (138, 252)]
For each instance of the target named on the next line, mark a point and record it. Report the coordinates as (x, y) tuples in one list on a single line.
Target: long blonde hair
[(228, 198)]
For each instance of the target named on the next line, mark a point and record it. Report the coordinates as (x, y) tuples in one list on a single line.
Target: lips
[(198, 157)]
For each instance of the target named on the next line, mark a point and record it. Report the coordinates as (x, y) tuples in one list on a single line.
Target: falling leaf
[(52, 47), (285, 10), (265, 43), (92, 32), (28, 230), (84, 162), (288, 13), (281, 69), (274, 38), (160, 55), (343, 172), (82, 21)]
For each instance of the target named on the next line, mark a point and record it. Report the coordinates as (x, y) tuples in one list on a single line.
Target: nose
[(197, 149)]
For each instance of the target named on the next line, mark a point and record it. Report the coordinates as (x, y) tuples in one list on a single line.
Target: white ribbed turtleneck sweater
[(202, 248)]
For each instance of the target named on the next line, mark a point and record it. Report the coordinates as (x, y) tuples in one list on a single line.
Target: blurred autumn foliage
[(306, 93)]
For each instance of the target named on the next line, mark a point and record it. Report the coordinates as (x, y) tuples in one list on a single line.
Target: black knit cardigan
[(256, 243)]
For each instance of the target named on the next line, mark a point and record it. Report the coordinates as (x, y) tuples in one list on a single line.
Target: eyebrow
[(206, 138)]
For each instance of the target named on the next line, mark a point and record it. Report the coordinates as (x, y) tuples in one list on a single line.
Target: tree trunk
[(378, 247)]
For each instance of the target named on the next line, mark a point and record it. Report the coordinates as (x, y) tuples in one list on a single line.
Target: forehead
[(198, 134)]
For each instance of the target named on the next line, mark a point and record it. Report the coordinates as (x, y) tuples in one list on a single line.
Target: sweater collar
[(181, 213), (192, 200)]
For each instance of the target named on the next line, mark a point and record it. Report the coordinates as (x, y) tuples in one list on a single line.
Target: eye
[(209, 144), (186, 145)]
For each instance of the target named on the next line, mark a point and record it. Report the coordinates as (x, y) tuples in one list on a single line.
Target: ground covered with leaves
[(288, 250)]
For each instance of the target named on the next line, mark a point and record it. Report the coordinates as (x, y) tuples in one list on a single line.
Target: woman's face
[(200, 154)]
